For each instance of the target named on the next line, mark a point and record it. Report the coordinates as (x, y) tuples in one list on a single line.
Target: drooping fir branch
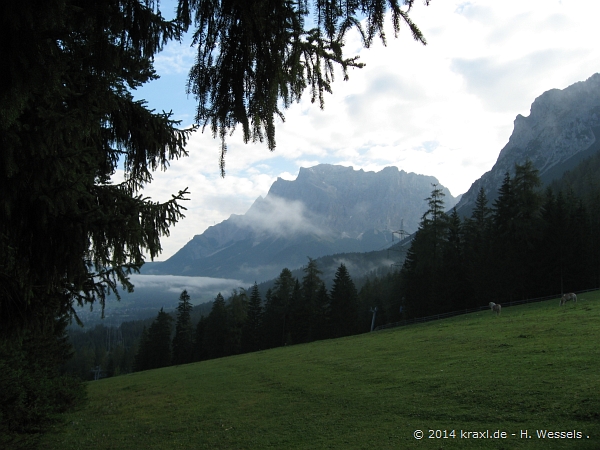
[(255, 58)]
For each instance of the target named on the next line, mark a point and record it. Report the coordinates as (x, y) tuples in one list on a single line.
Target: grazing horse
[(567, 297), (496, 307)]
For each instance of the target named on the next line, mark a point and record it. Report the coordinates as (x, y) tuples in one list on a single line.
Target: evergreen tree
[(385, 294), (504, 210), (452, 274), (565, 251), (155, 347), (252, 328), (68, 121), (581, 267), (306, 313), (323, 310), (477, 250), (237, 313), (270, 328), (525, 186), (200, 353), (215, 330), (504, 206), (421, 283), (33, 389), (296, 330), (142, 357), (278, 310), (183, 342), (527, 223), (344, 304), (434, 222)]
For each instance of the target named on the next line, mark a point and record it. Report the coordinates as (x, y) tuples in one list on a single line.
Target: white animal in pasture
[(496, 307), (567, 297)]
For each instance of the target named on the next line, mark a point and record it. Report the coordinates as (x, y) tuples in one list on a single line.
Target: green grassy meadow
[(536, 367)]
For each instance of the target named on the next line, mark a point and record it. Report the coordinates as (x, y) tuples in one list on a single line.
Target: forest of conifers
[(528, 243)]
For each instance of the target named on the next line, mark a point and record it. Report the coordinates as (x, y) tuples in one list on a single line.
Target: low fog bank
[(153, 292)]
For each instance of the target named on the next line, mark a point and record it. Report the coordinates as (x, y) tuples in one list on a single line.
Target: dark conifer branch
[(255, 57)]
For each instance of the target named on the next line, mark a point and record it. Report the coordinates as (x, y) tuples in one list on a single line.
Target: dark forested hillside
[(583, 180), (528, 243)]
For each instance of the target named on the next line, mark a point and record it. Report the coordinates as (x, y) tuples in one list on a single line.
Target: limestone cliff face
[(563, 128), (328, 209), (351, 201)]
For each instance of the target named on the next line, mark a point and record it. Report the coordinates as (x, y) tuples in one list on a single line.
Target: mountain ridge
[(561, 130), (327, 209)]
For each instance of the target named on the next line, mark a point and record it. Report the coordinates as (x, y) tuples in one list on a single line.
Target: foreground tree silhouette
[(68, 234)]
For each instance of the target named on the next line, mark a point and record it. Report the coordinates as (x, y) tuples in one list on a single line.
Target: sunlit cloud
[(281, 217)]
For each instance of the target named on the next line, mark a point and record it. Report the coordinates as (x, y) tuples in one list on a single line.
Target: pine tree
[(215, 329), (478, 250), (183, 342), (34, 389), (306, 313), (504, 207), (142, 357), (452, 274), (270, 329), (344, 304), (421, 283), (296, 331), (504, 210), (237, 313), (278, 310), (323, 307), (527, 223), (200, 353), (68, 121), (434, 221), (252, 328), (155, 348)]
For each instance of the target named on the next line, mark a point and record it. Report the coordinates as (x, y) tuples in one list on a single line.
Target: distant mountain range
[(327, 210), (334, 210), (562, 129)]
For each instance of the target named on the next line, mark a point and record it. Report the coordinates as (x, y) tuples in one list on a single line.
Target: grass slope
[(533, 368)]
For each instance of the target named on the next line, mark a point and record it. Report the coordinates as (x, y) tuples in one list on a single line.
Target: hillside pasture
[(533, 368)]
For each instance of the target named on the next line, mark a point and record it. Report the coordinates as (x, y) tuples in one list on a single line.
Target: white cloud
[(280, 217), (176, 59), (445, 109)]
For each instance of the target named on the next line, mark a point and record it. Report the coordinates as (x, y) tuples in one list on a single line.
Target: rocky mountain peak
[(328, 209), (561, 129)]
